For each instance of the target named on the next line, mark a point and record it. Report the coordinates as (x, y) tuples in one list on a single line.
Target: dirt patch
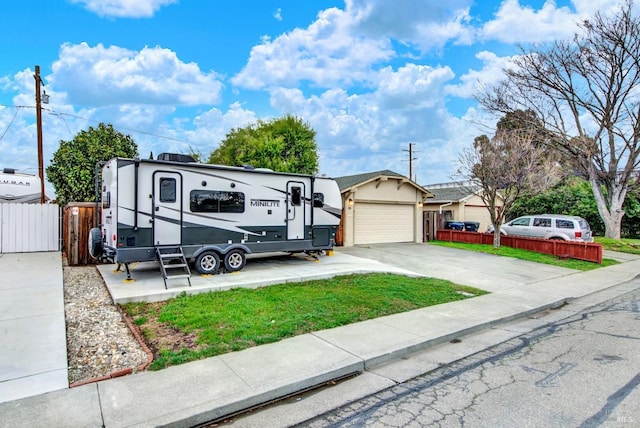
[(159, 335)]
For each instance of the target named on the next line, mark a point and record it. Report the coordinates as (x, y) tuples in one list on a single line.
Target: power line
[(55, 113), (60, 114), (10, 123)]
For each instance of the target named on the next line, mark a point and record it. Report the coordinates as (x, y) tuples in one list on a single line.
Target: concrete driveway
[(485, 271)]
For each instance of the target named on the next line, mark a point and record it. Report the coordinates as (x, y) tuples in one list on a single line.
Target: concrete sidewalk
[(205, 390), (33, 359)]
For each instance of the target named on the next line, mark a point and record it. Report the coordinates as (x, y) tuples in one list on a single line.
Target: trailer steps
[(173, 264)]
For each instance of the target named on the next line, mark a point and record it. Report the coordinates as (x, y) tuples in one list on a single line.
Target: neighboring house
[(380, 207), (456, 201)]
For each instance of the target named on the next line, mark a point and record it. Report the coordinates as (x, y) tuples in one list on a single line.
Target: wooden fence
[(78, 219), (590, 252), (27, 228)]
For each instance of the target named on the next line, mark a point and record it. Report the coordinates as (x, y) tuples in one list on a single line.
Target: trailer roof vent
[(9, 171), (175, 157)]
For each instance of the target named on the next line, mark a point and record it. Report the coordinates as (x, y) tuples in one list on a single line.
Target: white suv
[(548, 226)]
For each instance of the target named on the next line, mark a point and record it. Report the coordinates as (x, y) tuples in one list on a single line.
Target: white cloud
[(412, 86), (369, 131), (472, 81), (426, 25), (212, 126), (589, 7), (327, 53), (99, 75), (515, 23), (124, 8), (278, 14)]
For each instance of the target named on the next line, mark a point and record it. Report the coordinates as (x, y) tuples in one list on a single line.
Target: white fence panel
[(29, 228)]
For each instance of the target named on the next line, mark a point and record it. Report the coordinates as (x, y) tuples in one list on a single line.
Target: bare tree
[(586, 93), (506, 167)]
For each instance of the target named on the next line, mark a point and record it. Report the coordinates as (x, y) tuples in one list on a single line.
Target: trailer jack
[(126, 267)]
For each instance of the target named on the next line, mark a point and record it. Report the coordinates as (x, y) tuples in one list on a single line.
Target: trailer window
[(167, 189), (318, 200), (106, 200), (216, 201), (296, 196)]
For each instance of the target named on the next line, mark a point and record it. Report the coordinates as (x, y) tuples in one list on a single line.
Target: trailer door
[(295, 210), (167, 208)]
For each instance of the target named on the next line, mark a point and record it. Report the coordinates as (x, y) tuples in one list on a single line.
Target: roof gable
[(350, 182)]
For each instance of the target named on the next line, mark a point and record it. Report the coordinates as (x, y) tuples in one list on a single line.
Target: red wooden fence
[(590, 252)]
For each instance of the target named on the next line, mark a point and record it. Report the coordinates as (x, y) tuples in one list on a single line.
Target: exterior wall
[(381, 192), (472, 209)]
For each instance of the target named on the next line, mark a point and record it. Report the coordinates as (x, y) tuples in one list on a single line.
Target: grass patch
[(188, 328), (531, 256), (631, 246)]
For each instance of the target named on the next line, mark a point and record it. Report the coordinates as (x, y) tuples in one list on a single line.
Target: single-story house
[(380, 207), (457, 201)]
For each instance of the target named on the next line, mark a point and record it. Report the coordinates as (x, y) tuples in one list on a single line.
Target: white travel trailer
[(19, 188), (209, 214)]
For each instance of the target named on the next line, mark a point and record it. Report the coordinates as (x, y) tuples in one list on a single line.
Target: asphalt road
[(579, 372)]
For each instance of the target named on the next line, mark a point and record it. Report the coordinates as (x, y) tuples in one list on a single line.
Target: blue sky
[(370, 76)]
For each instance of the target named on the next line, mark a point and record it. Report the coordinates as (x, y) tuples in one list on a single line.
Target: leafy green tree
[(285, 144), (72, 169), (574, 196)]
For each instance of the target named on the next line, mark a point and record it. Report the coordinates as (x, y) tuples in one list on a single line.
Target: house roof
[(451, 193), (349, 182)]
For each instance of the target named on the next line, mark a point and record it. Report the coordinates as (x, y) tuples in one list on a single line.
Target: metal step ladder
[(173, 264)]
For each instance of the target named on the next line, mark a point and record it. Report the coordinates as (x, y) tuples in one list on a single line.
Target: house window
[(216, 201)]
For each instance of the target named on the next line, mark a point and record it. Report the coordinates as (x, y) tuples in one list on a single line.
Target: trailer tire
[(234, 260), (208, 263), (95, 243)]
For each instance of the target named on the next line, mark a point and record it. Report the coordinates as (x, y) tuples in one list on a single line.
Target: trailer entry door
[(167, 208), (295, 210)]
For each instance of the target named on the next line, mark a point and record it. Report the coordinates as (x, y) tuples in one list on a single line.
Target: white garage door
[(383, 223)]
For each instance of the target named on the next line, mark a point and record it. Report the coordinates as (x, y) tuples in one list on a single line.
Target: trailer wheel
[(234, 260), (208, 263), (95, 242)]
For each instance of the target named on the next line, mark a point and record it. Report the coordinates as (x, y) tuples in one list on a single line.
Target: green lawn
[(631, 246), (527, 255), (193, 327)]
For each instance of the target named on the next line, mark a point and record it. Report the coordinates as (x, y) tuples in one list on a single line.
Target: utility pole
[(39, 131), (411, 159)]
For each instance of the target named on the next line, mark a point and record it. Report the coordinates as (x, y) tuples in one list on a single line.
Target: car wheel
[(95, 243), (234, 260), (208, 263)]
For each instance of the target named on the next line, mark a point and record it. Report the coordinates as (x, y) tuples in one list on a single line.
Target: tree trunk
[(611, 213), (496, 237)]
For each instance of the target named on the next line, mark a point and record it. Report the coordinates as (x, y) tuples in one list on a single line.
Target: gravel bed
[(99, 341)]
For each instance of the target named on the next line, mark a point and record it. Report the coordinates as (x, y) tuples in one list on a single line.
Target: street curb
[(268, 397)]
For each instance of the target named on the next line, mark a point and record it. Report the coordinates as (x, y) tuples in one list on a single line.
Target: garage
[(379, 208), (383, 223)]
